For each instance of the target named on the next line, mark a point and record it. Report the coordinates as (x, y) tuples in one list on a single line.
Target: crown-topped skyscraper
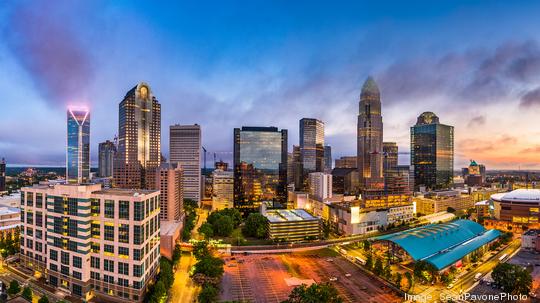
[(370, 137)]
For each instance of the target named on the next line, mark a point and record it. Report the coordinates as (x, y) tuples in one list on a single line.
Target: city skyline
[(455, 75)]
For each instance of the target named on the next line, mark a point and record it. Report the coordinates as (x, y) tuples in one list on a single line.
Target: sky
[(227, 64)]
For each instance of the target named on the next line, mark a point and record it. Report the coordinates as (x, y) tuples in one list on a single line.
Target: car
[(333, 279), (450, 286), (363, 288), (347, 275), (329, 260)]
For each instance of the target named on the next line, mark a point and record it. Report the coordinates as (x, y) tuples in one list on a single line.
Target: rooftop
[(124, 192), (442, 244), (519, 195), (286, 215)]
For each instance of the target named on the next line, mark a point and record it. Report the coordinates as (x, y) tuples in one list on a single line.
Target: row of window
[(141, 209)]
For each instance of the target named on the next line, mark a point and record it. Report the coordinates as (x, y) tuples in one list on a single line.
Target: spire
[(370, 88)]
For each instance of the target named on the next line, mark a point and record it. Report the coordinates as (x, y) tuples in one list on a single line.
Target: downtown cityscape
[(277, 152)]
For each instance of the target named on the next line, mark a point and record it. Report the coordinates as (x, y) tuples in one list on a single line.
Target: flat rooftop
[(124, 192), (288, 215)]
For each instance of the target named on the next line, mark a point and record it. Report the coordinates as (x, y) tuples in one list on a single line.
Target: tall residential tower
[(78, 145), (185, 148), (139, 139), (370, 137)]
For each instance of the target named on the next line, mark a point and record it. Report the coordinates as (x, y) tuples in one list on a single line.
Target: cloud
[(42, 38), (531, 98), (477, 121), (534, 149)]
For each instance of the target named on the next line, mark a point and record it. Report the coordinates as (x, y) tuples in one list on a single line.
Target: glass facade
[(432, 152), (311, 148), (260, 167), (78, 146)]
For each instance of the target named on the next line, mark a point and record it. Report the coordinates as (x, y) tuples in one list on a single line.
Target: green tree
[(399, 277), (369, 261), (27, 293), (410, 281), (378, 268), (208, 293), (177, 254), (325, 292), (207, 230), (512, 278), (158, 292), (200, 249), (255, 226), (366, 245), (14, 287), (234, 214), (45, 299), (210, 266), (223, 226), (387, 272), (166, 274)]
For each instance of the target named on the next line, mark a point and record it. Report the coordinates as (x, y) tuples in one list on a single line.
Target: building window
[(95, 262), (77, 290), (108, 248), (123, 282), (39, 219), (77, 262), (123, 233), (109, 209), (64, 257), (123, 210), (77, 275), (64, 270), (96, 229), (123, 251), (53, 267), (109, 233), (137, 256), (138, 211), (123, 268), (108, 265), (95, 247), (72, 245), (30, 217), (39, 200), (138, 270), (94, 275), (95, 207), (53, 254), (72, 228), (72, 206), (29, 199), (138, 234)]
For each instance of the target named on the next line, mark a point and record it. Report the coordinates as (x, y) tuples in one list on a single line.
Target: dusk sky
[(226, 64)]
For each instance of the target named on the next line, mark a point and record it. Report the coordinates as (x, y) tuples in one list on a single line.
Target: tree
[(45, 299), (369, 261), (223, 226), (208, 293), (387, 272), (378, 268), (177, 254), (234, 214), (14, 287), (158, 292), (366, 245), (210, 266), (325, 292), (451, 210), (399, 277), (512, 278), (410, 280), (255, 226), (207, 230), (27, 293), (166, 274), (200, 249)]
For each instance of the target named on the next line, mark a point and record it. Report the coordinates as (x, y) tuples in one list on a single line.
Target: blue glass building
[(78, 145)]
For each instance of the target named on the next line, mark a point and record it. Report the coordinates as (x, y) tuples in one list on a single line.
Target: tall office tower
[(370, 137), (222, 189), (432, 152), (390, 154), (347, 162), (139, 139), (260, 167), (3, 175), (169, 183), (311, 147), (320, 185), (185, 148), (328, 159), (107, 153), (296, 167), (78, 145), (99, 244)]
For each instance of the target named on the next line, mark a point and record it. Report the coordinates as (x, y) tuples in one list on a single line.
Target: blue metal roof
[(442, 244)]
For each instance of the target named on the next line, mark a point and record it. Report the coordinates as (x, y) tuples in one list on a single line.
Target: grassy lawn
[(238, 239)]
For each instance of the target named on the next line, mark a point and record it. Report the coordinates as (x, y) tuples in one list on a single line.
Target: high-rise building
[(3, 175), (221, 165), (222, 189), (311, 147), (169, 183), (185, 148), (475, 174), (91, 241), (139, 139), (78, 145), (106, 154), (432, 152), (328, 159), (370, 137), (296, 172), (260, 167), (347, 162), (390, 154), (320, 185)]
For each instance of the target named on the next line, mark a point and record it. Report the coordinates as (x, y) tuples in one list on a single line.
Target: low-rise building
[(170, 234), (435, 202), (292, 225), (222, 189)]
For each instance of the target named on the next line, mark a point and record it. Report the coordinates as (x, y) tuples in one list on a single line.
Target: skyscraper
[(106, 154), (139, 139), (169, 183), (327, 159), (432, 152), (320, 185), (260, 167), (3, 175), (370, 137), (311, 147), (390, 154), (78, 145), (185, 148)]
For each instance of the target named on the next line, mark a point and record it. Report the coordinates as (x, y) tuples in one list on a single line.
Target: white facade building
[(185, 148), (320, 185)]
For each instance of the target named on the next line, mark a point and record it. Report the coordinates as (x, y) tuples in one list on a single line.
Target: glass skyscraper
[(106, 152), (260, 167), (139, 139), (78, 145), (432, 152), (311, 148)]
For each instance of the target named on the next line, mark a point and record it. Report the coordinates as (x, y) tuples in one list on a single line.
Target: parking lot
[(270, 278)]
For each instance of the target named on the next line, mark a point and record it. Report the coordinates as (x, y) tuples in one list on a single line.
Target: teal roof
[(442, 244)]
